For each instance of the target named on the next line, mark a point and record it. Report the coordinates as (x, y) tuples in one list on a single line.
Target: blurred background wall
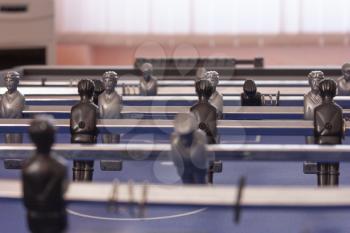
[(285, 32)]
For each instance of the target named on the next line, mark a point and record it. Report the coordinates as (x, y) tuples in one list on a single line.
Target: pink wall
[(70, 54)]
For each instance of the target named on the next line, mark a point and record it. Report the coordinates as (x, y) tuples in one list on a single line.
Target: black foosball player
[(329, 129), (44, 181), (250, 96), (148, 83), (83, 129), (188, 150), (204, 111), (206, 115)]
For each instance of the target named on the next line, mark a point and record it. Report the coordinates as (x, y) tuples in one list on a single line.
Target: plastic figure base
[(47, 222)]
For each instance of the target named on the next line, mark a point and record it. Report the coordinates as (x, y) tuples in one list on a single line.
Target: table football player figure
[(216, 98), (206, 116), (344, 81), (250, 96), (148, 83), (12, 104), (110, 104), (313, 98), (188, 150), (83, 120), (44, 181), (329, 129)]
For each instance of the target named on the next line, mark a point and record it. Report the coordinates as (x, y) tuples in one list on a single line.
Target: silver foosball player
[(44, 181), (216, 98), (12, 104), (344, 81), (83, 120), (250, 96), (313, 98), (188, 150), (148, 83), (329, 129), (110, 105)]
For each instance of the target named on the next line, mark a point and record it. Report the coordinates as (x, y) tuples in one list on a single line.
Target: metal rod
[(171, 90), (191, 195), (274, 110), (173, 83), (224, 152), (141, 126)]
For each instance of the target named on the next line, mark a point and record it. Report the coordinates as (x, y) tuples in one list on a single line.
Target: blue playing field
[(94, 217)]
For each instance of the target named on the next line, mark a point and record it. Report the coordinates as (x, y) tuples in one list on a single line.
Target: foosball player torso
[(188, 150), (83, 121), (44, 182), (329, 129), (250, 96), (148, 83)]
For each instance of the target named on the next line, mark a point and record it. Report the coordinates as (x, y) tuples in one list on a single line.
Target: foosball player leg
[(214, 167), (333, 174), (83, 170), (322, 174)]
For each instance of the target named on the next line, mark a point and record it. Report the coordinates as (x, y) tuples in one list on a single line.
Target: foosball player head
[(346, 71), (204, 89), (200, 72), (42, 133), (147, 71), (314, 78), (250, 96)]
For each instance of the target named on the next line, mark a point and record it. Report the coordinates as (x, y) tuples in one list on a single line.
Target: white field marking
[(137, 219)]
